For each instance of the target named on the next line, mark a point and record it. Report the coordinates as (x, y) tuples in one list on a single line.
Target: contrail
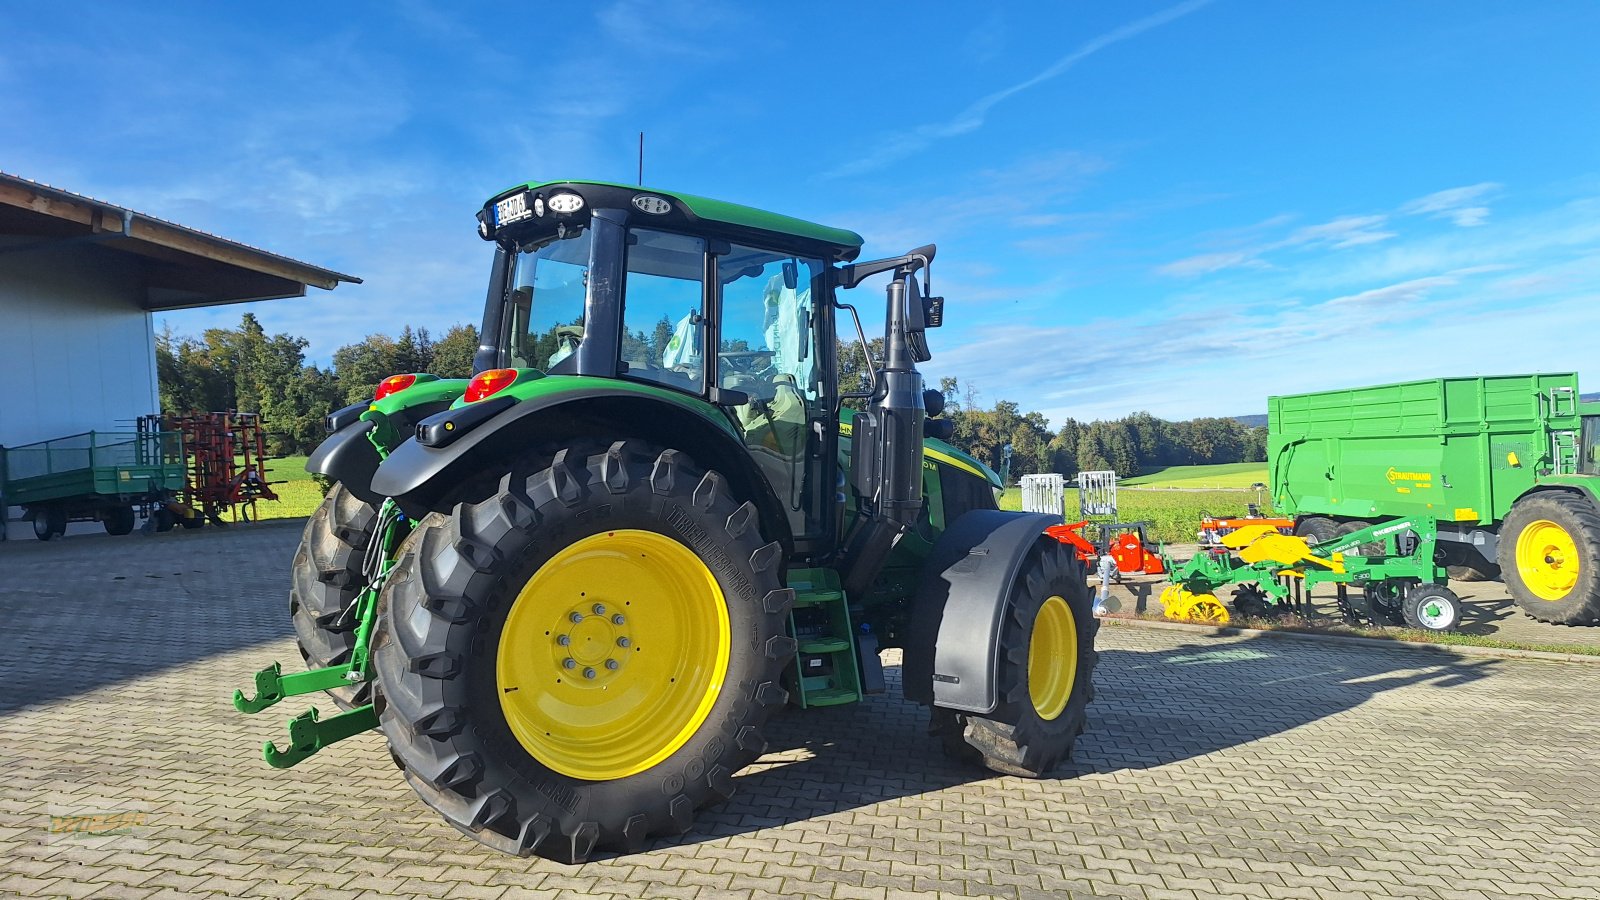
[(972, 118)]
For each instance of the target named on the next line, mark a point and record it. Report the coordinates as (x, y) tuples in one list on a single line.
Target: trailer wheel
[(1550, 558), (1370, 548), (164, 520), (1466, 563), (1316, 529), (325, 580), (587, 656), (118, 520), (49, 522), (1047, 661), (1431, 607)]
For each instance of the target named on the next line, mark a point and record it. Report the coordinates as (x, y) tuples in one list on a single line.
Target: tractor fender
[(422, 478), (348, 457), (952, 657)]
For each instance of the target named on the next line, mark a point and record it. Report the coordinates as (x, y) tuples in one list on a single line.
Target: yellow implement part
[(1287, 551), (1242, 537), (1179, 604)]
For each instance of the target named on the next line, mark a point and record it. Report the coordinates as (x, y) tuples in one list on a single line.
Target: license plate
[(512, 209)]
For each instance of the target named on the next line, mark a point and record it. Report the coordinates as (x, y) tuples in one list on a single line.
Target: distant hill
[(1261, 419)]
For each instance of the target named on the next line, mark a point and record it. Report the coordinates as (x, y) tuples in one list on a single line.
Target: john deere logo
[(1395, 475)]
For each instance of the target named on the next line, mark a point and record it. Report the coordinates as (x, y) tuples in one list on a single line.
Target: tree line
[(245, 368)]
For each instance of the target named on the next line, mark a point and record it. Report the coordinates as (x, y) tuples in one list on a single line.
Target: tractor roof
[(843, 245)]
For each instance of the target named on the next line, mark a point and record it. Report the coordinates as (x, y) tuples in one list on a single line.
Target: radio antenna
[(641, 159)]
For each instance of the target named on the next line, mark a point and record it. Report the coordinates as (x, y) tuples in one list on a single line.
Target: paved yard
[(1214, 767)]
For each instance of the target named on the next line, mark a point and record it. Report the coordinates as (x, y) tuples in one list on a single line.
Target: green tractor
[(571, 591)]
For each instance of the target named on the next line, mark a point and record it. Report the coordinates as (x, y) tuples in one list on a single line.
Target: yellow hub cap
[(1547, 559), (1052, 658), (613, 654)]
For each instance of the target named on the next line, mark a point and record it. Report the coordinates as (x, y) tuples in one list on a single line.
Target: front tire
[(586, 657), (326, 578), (1550, 558), (1047, 661)]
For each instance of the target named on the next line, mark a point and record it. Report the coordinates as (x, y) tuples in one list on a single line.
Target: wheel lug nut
[(576, 617), (624, 643), (617, 619), (569, 663), (599, 609), (611, 664), (588, 673), (563, 640)]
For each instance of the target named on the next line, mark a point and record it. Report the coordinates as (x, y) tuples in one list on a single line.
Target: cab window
[(543, 321), (767, 350), (663, 321)]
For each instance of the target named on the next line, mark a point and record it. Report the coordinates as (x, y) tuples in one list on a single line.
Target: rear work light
[(394, 384), (489, 382)]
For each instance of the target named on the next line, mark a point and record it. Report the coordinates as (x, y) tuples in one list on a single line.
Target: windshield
[(543, 322)]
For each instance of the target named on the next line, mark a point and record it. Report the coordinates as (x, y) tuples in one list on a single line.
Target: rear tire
[(1550, 558), (1043, 702), (49, 523), (325, 580), (118, 520), (454, 650), (1316, 529)]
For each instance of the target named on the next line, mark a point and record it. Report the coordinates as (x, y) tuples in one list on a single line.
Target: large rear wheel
[(1047, 661), (586, 657), (325, 580), (1550, 558)]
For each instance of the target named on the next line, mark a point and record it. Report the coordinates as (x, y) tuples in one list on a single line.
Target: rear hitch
[(309, 733)]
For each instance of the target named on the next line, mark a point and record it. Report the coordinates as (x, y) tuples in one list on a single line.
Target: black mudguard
[(952, 658), (348, 457)]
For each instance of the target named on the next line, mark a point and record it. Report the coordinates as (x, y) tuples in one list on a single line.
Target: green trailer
[(1507, 464), (112, 477)]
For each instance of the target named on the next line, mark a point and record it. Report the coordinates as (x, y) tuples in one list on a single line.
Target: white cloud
[(1460, 205), (899, 145), (1345, 231)]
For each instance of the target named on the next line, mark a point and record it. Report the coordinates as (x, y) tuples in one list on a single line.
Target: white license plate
[(512, 209)]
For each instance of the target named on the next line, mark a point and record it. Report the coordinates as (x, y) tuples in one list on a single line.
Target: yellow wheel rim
[(613, 654), (1547, 560), (1052, 658)]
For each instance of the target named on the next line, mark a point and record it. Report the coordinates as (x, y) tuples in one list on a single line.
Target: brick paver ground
[(1213, 767)]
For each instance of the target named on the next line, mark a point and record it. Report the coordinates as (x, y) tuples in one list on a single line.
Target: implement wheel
[(1431, 607), (118, 520), (1047, 661), (586, 657), (326, 579), (1550, 558)]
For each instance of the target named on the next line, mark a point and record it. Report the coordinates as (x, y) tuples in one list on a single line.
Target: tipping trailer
[(1506, 464), (111, 477)]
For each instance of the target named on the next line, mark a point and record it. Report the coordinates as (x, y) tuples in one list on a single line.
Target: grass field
[(1174, 516), (298, 495), (1223, 475)]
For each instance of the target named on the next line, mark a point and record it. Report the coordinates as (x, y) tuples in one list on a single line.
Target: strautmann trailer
[(1506, 464)]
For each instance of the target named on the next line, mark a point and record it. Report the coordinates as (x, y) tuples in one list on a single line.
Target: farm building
[(80, 280)]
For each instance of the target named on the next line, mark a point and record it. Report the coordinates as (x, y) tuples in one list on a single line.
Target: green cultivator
[(1391, 566), (571, 591)]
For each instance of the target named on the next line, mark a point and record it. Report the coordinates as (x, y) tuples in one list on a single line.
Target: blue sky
[(1174, 207)]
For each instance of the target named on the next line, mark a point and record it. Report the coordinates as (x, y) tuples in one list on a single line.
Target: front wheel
[(586, 657), (1047, 661), (326, 577)]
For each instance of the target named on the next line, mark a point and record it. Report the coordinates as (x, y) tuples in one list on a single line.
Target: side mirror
[(916, 322)]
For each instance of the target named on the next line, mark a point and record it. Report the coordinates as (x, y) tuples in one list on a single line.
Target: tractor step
[(309, 733), (272, 686), (826, 672)]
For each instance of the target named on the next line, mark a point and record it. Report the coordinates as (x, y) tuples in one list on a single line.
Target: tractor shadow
[(1152, 708)]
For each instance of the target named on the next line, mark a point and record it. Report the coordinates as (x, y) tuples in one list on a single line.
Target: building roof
[(181, 267)]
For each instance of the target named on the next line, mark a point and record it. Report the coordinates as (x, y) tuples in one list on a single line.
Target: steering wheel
[(745, 362)]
